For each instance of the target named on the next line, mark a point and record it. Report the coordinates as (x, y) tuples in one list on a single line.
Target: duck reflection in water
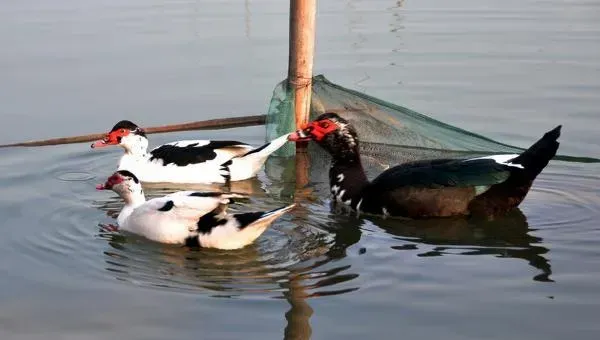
[(508, 236), (301, 251), (299, 263)]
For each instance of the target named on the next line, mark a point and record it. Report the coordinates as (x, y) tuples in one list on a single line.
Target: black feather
[(128, 173), (168, 206), (225, 167), (209, 221), (190, 154), (192, 241), (443, 173), (124, 124), (219, 144), (245, 219), (537, 156), (256, 150), (128, 125)]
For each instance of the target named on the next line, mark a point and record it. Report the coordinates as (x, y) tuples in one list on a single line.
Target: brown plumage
[(484, 186)]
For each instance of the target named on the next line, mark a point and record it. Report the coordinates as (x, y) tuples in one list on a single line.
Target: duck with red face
[(191, 218), (187, 161), (483, 186)]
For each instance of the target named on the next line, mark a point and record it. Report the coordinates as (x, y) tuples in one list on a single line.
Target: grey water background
[(509, 70)]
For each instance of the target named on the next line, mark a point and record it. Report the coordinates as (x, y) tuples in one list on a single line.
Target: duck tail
[(260, 219), (536, 158), (218, 229), (252, 224), (248, 164)]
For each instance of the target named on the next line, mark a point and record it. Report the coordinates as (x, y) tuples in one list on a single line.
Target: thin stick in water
[(211, 124)]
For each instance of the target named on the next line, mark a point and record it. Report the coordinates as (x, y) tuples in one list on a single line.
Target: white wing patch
[(358, 205), (184, 143), (385, 212), (480, 189), (340, 196), (500, 159)]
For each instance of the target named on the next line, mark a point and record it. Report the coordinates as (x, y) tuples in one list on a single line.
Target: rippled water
[(510, 70)]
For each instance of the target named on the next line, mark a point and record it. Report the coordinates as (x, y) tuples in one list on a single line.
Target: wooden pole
[(211, 124), (301, 54), (302, 47)]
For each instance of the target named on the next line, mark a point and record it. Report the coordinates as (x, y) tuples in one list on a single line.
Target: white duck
[(187, 161), (187, 217)]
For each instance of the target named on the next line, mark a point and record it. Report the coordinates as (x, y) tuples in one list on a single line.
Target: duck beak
[(99, 144), (299, 136), (109, 139), (106, 186), (110, 182)]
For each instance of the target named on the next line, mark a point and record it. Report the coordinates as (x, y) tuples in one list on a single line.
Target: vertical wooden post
[(302, 46)]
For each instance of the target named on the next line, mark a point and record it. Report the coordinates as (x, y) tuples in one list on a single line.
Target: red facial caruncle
[(112, 138), (110, 182), (316, 130)]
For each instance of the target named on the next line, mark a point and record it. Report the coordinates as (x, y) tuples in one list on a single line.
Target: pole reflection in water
[(305, 255)]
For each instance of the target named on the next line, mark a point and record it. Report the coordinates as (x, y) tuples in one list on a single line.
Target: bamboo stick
[(211, 124)]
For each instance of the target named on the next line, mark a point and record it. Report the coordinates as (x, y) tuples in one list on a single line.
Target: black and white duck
[(482, 186), (187, 217), (187, 161)]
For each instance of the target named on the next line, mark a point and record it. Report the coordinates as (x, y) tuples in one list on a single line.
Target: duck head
[(333, 133), (126, 134), (126, 185)]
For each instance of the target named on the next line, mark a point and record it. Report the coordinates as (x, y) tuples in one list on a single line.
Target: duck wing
[(184, 206), (443, 187), (436, 174), (186, 152)]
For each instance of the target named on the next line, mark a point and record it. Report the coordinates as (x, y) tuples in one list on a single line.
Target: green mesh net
[(389, 133)]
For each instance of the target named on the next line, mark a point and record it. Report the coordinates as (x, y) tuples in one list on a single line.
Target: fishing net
[(390, 134)]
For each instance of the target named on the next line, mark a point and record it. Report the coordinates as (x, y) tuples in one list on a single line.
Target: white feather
[(172, 226), (186, 142), (247, 166), (139, 161), (500, 159), (174, 218), (229, 236), (358, 205), (340, 196)]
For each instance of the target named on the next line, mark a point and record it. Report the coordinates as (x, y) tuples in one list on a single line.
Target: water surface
[(507, 69)]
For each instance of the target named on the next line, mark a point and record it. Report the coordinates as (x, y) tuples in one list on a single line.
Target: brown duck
[(483, 186)]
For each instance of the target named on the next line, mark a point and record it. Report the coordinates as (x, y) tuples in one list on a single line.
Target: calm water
[(507, 69)]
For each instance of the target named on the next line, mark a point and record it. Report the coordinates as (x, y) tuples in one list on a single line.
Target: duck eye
[(324, 125), (122, 130)]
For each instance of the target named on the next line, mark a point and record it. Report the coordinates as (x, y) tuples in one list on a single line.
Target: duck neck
[(133, 200), (347, 178), (137, 147)]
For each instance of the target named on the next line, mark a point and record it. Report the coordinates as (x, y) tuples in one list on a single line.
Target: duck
[(189, 218), (486, 186), (187, 161)]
